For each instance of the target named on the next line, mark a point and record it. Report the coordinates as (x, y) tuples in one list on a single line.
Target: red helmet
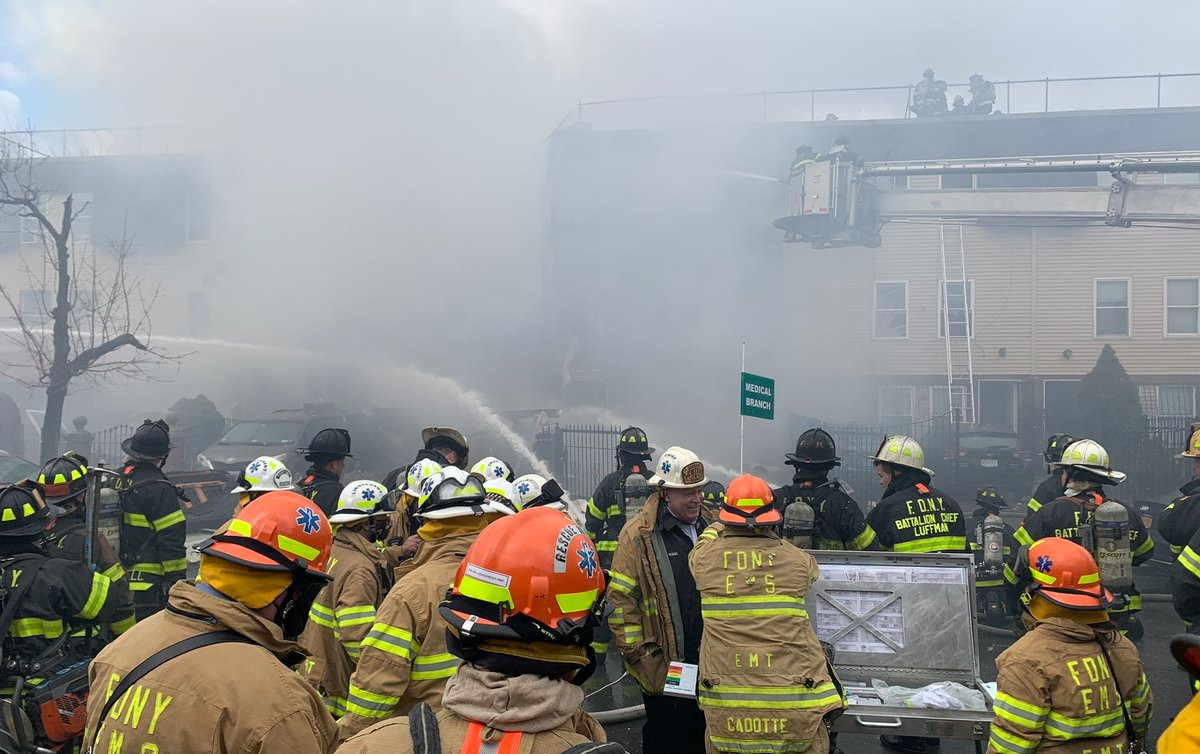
[(281, 531), (1065, 573), (534, 576), (749, 502)]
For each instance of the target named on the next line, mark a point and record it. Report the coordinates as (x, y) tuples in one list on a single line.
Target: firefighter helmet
[(749, 502), (1192, 448), (440, 437), (452, 493), (1090, 456), (263, 474), (501, 492), (359, 500), (1055, 445), (990, 497), (633, 442), (535, 491), (1064, 573), (331, 441), (23, 510), (419, 472), (714, 494), (281, 531), (900, 450), (64, 477), (492, 468), (149, 442), (679, 469), (815, 446), (1185, 648), (533, 577)]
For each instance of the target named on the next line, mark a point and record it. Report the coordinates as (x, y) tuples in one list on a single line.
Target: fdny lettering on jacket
[(1100, 694), (139, 706), (926, 516)]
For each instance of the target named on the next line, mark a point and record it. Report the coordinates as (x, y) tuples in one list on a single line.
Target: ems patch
[(587, 559), (308, 519), (1043, 563), (563, 545)]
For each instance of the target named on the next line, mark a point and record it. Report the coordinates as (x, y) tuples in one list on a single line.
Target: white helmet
[(902, 450), (263, 474), (501, 491), (534, 490), (419, 472), (1091, 456), (359, 500), (492, 468), (453, 493), (679, 469)]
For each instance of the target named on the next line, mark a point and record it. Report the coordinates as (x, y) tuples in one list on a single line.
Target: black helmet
[(990, 497), (634, 443), (815, 446), (714, 494), (330, 441), (150, 441), (23, 510), (63, 477), (1055, 445)]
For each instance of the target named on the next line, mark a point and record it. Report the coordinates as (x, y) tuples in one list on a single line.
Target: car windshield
[(987, 442), (262, 433), (13, 469)]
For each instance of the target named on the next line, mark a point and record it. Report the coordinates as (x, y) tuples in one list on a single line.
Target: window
[(198, 218), (939, 400), (31, 230), (1183, 306), (35, 307), (895, 405), (891, 310), (1061, 405), (1112, 308), (961, 308), (958, 181), (1176, 401)]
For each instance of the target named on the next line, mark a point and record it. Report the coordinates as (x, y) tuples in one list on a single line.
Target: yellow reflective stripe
[(238, 526), (621, 582), (392, 640), (1009, 743), (469, 586), (595, 510), (1022, 536), (1034, 505), (431, 667), (1141, 691), (96, 599), (1190, 560), (297, 548), (649, 606), (174, 518), (577, 602), (1045, 578), (1061, 727), (1145, 547), (633, 633), (355, 616), (170, 566), (336, 705), (1089, 578), (864, 540), (26, 628), (114, 573), (137, 519), (141, 586), (121, 626), (322, 616), (1019, 712), (989, 583), (606, 545), (368, 704), (933, 544), (759, 745), (777, 697), (154, 568), (353, 648), (752, 607), (1009, 574), (709, 534)]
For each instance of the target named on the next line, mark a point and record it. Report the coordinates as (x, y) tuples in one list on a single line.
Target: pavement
[(1167, 681)]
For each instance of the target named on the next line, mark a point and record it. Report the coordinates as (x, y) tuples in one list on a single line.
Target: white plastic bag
[(940, 695)]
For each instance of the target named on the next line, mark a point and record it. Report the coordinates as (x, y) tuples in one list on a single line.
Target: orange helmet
[(281, 531), (749, 502), (534, 576), (1064, 573)]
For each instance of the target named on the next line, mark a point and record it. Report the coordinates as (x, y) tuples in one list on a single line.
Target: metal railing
[(1044, 95), (186, 443), (94, 142), (581, 455)]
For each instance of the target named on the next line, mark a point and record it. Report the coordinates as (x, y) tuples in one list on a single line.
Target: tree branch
[(85, 359)]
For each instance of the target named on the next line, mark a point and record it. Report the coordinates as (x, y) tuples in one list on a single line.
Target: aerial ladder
[(841, 201)]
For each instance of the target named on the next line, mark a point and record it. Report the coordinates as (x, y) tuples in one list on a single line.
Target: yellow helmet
[(1090, 455), (902, 450), (1192, 449)]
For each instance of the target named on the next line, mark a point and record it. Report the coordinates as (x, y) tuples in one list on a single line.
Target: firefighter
[(1183, 734), (344, 611), (990, 589), (833, 520), (606, 509), (654, 624), (404, 659), (262, 475), (913, 516), (64, 483), (536, 491), (983, 95), (1073, 682), (1086, 470), (445, 445), (326, 453), (1181, 519), (929, 96), (524, 649), (804, 156), (153, 528), (402, 540), (1050, 488), (765, 683), (714, 496), (258, 581), (493, 468), (1185, 583)]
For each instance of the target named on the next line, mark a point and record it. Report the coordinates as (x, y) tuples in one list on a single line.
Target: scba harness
[(427, 738)]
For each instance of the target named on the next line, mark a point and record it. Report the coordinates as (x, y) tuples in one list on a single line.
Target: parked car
[(992, 456), (14, 468)]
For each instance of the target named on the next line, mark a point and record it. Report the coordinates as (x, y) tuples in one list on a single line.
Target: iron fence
[(581, 455), (1044, 95), (186, 443), (855, 442)]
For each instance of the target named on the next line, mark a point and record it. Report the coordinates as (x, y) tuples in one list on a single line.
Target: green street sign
[(758, 396)]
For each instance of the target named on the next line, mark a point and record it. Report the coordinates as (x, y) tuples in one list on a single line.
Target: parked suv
[(990, 455)]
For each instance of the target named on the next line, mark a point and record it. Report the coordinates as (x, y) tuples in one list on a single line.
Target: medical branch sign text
[(758, 396)]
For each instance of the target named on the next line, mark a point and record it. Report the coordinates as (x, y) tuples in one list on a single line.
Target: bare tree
[(99, 316)]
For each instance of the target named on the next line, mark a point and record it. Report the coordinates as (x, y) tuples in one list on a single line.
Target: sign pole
[(742, 444)]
